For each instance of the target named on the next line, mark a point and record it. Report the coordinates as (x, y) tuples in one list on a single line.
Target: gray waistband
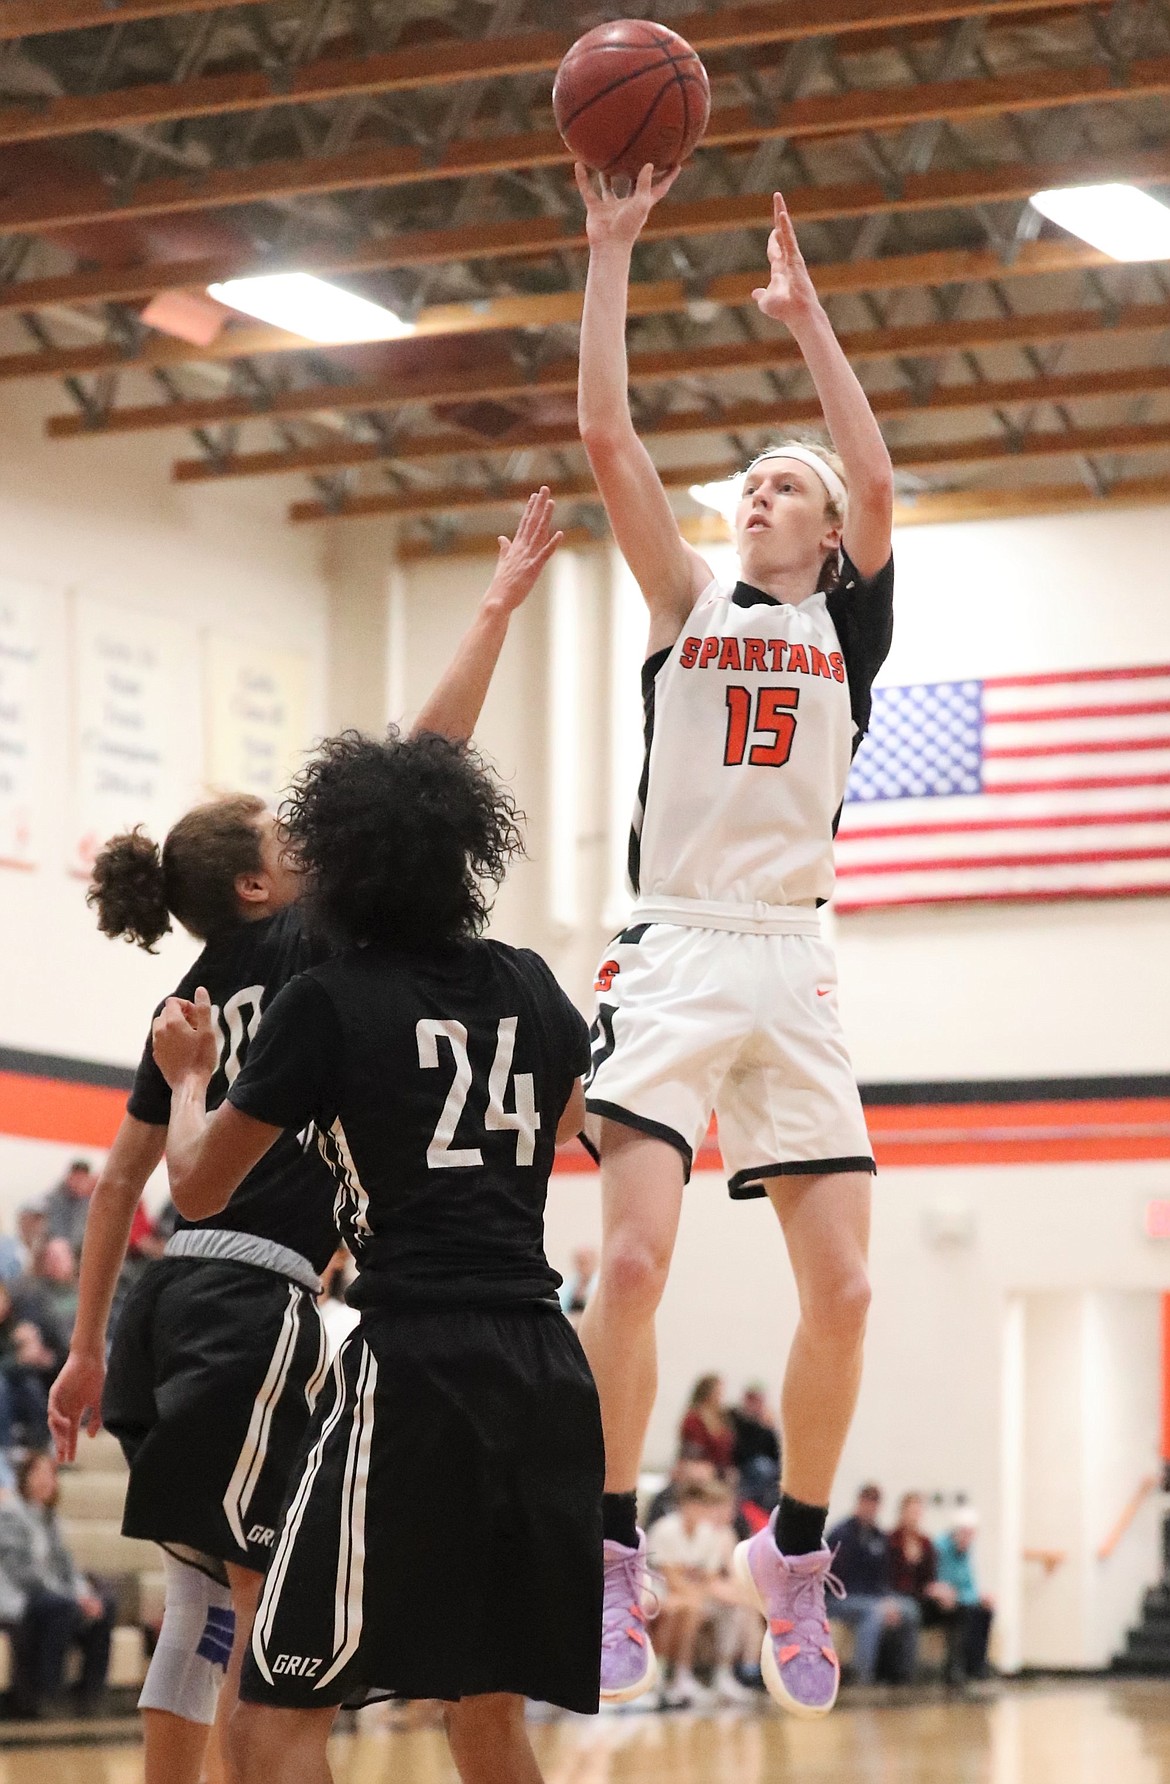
[(244, 1248)]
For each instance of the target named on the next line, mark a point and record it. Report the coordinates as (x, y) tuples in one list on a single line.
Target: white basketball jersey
[(752, 720)]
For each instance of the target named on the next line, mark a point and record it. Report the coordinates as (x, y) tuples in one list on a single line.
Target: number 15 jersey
[(753, 717)]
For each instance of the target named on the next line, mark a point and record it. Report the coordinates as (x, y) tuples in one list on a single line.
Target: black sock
[(619, 1518), (800, 1528)]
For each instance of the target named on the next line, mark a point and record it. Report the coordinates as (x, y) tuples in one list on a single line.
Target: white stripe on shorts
[(270, 1598), (251, 1459), (316, 1381), (351, 1554)]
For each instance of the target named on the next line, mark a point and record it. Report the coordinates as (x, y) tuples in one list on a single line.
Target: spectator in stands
[(54, 1288), (691, 1469), (706, 1429), (579, 1283), (956, 1569), (46, 1604), (879, 1618), (30, 1356), (757, 1448), (18, 1255), (914, 1574), (67, 1206), (692, 1549)]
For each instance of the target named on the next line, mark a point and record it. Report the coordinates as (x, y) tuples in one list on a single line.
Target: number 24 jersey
[(752, 720), (435, 1083)]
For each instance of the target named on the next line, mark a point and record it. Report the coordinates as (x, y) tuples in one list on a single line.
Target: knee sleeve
[(194, 1645)]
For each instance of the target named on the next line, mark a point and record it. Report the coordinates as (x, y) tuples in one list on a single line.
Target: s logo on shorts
[(606, 974)]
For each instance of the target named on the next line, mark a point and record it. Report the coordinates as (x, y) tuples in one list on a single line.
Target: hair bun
[(127, 890)]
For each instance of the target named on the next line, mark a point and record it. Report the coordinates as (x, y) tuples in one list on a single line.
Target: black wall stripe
[(66, 1071)]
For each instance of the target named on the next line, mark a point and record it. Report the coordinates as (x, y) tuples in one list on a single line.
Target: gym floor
[(1094, 1732)]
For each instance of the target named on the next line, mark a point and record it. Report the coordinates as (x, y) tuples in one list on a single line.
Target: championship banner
[(257, 710), (21, 705), (132, 701)]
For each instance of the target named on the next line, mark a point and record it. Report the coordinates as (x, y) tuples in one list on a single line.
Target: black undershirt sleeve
[(293, 1069), (862, 610)]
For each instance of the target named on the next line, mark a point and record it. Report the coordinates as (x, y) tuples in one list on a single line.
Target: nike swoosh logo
[(824, 993)]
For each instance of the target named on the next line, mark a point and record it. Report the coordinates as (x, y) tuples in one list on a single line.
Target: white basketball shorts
[(692, 1021)]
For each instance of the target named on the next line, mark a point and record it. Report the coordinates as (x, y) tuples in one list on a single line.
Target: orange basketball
[(628, 93)]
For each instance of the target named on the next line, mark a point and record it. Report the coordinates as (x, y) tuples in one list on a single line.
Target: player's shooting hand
[(185, 1039), (790, 295), (522, 558), (620, 217), (75, 1395)]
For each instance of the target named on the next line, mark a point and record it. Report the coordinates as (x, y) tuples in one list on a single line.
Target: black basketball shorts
[(214, 1371), (442, 1534)]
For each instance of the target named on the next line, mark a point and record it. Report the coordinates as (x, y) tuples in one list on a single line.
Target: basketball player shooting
[(721, 995)]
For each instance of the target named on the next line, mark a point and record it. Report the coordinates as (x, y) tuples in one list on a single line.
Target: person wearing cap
[(720, 994), (956, 1570)]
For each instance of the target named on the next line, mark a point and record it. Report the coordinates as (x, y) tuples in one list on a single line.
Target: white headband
[(833, 485)]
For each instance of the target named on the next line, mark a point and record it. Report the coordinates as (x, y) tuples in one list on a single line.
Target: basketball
[(628, 93)]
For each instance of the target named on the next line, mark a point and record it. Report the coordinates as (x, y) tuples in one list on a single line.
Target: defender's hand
[(185, 1039), (522, 559)]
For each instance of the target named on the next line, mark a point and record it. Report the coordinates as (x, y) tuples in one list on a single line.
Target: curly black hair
[(403, 840)]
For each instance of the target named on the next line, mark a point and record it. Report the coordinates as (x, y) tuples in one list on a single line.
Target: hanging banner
[(21, 703), (257, 711), (131, 690)]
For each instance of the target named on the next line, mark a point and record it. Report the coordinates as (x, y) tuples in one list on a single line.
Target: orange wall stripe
[(52, 1109)]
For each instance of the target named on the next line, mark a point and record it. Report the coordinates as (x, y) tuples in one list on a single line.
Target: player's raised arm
[(77, 1391), (456, 703), (790, 297), (669, 573)]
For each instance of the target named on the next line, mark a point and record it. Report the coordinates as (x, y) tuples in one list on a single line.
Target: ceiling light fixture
[(1122, 221), (722, 496), (311, 307)]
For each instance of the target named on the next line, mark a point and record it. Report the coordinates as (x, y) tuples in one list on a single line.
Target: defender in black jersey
[(219, 1352), (442, 1533)]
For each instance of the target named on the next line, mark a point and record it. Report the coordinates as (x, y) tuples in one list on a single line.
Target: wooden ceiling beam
[(331, 78), (537, 236), (36, 18), (86, 200), (557, 376), (887, 405), (503, 384), (503, 314), (941, 507), (992, 450)]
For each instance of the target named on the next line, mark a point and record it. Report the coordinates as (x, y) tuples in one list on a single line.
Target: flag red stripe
[(1052, 678), (964, 863), (1140, 709), (1087, 785), (1059, 821), (1114, 746), (844, 906)]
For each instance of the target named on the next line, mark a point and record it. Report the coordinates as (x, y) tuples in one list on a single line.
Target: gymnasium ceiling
[(407, 148)]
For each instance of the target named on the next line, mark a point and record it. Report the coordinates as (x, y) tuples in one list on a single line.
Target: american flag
[(1015, 787)]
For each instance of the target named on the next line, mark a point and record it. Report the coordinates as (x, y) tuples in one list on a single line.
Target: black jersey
[(288, 1196), (435, 1084)]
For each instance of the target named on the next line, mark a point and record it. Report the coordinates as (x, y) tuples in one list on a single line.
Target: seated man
[(861, 1561), (956, 1570), (692, 1548)]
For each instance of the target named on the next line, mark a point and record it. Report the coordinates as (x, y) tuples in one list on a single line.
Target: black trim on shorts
[(746, 1186), (657, 1130)]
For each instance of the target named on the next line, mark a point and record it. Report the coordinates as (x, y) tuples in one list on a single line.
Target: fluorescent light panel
[(311, 307), (1122, 221)]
